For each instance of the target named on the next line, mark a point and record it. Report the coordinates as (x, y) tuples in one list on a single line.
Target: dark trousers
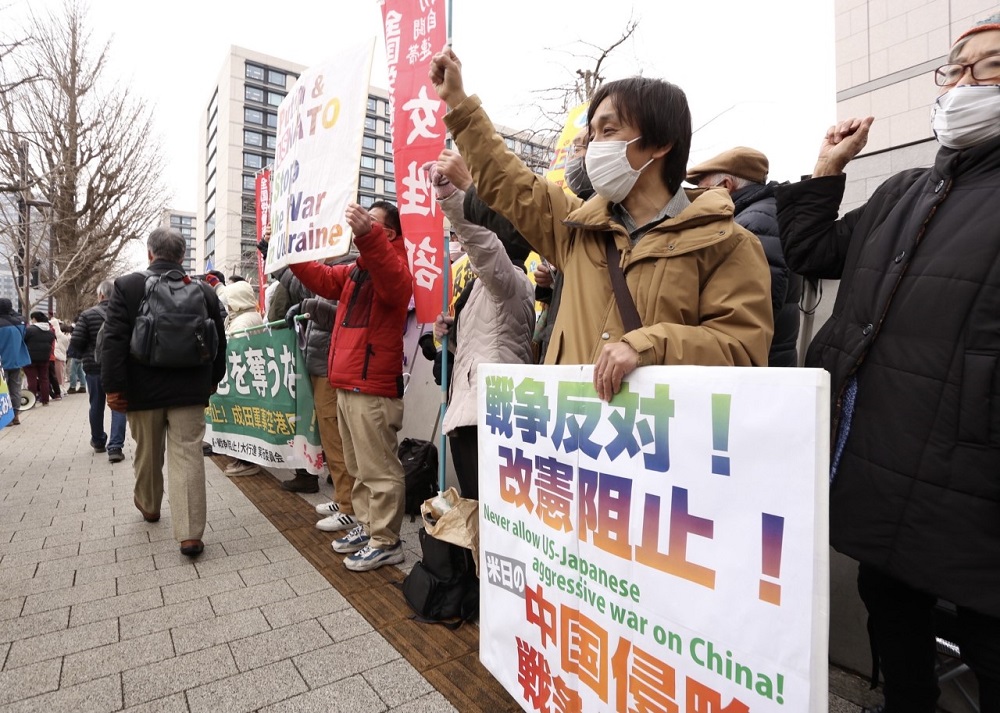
[(38, 379), (98, 399), (901, 620), (464, 442), (54, 387)]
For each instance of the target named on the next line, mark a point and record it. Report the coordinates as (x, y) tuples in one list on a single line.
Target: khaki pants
[(325, 403), (368, 428), (181, 430)]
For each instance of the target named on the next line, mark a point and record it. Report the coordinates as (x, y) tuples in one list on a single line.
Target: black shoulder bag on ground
[(442, 588), (626, 305)]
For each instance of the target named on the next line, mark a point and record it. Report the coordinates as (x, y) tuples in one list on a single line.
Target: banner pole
[(445, 289)]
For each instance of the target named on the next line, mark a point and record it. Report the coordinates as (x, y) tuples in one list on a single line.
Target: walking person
[(165, 404), (13, 353), (40, 340), (82, 346)]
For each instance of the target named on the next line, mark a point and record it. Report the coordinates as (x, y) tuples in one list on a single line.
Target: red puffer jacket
[(366, 350)]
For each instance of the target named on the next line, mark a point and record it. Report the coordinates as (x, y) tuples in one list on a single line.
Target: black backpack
[(173, 329), (420, 472), (443, 587)]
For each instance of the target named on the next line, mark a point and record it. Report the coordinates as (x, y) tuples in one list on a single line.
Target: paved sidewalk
[(100, 612)]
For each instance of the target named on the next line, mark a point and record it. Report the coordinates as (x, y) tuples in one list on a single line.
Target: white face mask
[(967, 115), (610, 172)]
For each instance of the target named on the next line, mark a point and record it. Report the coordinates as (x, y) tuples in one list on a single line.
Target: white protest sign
[(320, 129), (664, 552)]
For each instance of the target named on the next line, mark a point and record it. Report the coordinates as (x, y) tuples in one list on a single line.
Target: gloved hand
[(292, 313), (211, 280), (442, 186), (117, 402), (427, 348)]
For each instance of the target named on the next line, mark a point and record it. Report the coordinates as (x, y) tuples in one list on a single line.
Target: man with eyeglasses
[(365, 366), (913, 348)]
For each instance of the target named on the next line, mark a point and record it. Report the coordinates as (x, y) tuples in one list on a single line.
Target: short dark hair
[(236, 278), (660, 111), (39, 316), (166, 244), (391, 215)]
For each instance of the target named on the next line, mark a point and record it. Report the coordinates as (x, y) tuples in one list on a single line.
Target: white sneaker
[(337, 521), (369, 557), (325, 509), (353, 541)]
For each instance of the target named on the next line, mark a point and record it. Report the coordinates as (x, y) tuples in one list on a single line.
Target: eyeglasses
[(984, 69)]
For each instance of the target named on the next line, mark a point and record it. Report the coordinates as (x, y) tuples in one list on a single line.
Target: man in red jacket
[(366, 368)]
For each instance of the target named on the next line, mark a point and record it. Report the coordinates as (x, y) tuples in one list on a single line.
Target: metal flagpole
[(445, 285)]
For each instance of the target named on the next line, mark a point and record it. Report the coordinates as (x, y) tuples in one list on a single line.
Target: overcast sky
[(756, 73)]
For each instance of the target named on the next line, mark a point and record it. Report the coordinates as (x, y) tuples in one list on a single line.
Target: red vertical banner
[(262, 189), (414, 31)]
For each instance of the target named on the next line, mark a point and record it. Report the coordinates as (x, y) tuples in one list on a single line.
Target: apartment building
[(238, 139), (184, 223)]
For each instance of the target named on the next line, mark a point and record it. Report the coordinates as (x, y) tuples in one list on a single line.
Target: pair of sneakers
[(363, 555), (334, 520)]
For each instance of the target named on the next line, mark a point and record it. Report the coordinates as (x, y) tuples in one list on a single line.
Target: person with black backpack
[(83, 346), (164, 354)]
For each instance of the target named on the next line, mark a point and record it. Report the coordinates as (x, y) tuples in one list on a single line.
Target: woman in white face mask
[(913, 349)]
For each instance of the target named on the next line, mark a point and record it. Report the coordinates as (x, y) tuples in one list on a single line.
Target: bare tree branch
[(94, 156)]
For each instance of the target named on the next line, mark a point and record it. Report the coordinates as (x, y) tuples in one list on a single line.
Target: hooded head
[(241, 297), (6, 307)]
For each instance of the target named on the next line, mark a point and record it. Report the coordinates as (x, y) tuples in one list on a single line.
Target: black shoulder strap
[(626, 305)]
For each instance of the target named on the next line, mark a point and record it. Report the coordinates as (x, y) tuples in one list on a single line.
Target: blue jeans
[(97, 405), (76, 376)]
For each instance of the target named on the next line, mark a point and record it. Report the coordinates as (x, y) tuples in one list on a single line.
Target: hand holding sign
[(616, 361), (446, 74)]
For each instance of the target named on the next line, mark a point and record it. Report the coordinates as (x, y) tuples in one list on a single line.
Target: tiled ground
[(100, 612)]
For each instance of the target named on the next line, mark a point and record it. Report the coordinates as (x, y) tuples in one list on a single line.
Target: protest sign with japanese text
[(414, 31), (315, 176), (262, 193), (262, 411), (667, 551), (7, 412)]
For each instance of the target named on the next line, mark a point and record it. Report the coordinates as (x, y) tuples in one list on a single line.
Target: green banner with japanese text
[(263, 411)]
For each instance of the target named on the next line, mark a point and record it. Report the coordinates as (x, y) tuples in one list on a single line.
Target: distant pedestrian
[(82, 347), (40, 340), (13, 353)]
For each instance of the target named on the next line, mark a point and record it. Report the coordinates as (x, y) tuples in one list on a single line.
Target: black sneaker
[(115, 455), (301, 483), (97, 448)]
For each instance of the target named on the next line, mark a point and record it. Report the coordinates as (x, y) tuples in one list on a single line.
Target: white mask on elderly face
[(609, 170), (967, 115)]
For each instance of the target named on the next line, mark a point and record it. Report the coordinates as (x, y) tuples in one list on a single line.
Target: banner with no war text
[(263, 411), (666, 551), (315, 175)]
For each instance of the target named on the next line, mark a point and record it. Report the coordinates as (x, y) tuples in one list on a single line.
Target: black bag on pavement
[(443, 587), (420, 472)]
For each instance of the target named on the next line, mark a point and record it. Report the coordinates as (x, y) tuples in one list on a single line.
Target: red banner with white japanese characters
[(262, 189), (414, 31)]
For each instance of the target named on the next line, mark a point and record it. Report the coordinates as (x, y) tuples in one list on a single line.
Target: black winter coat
[(148, 387), (917, 320), (39, 341), (756, 210), (84, 339)]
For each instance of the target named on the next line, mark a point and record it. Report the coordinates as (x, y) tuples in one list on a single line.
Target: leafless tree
[(93, 155), (584, 79)]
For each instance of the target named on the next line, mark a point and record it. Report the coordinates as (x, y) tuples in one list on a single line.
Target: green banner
[(263, 411)]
